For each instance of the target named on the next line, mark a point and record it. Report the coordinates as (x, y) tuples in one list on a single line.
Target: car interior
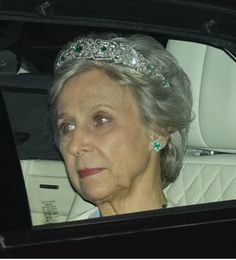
[(209, 169)]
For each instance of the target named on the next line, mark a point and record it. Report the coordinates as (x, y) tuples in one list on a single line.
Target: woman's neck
[(129, 206), (145, 194)]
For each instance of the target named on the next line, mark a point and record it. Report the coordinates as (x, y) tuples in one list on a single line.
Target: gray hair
[(162, 109)]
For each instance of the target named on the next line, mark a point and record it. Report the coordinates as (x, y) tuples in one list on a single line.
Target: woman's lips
[(88, 172)]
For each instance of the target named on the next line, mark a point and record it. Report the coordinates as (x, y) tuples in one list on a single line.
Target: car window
[(209, 169)]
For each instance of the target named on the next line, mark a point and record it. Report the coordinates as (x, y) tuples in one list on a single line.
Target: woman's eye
[(66, 128), (101, 120)]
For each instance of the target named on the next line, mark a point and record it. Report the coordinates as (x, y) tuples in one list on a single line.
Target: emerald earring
[(156, 146)]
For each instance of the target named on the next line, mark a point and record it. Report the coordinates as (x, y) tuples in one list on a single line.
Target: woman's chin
[(96, 195)]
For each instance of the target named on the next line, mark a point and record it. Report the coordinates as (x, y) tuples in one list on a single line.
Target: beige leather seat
[(207, 176), (50, 194)]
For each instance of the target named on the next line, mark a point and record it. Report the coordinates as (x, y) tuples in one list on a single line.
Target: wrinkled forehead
[(93, 88)]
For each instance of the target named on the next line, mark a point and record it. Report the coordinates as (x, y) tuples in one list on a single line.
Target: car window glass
[(209, 170)]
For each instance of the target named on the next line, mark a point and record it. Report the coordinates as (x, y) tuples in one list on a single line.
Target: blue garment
[(95, 214)]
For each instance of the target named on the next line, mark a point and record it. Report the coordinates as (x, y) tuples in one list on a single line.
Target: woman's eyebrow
[(60, 116), (103, 105), (93, 107)]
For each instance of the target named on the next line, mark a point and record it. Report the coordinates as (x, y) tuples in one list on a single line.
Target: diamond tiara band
[(110, 51)]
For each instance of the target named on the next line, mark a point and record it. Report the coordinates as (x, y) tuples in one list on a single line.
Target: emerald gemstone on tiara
[(79, 49), (103, 48), (110, 51)]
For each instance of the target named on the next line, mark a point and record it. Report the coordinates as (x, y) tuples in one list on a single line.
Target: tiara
[(110, 51)]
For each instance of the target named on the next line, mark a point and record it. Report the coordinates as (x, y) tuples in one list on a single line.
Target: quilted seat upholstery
[(204, 179), (209, 170)]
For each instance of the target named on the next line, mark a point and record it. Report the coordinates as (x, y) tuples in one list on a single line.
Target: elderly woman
[(121, 108)]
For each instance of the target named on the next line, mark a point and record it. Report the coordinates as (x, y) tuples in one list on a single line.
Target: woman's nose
[(80, 142)]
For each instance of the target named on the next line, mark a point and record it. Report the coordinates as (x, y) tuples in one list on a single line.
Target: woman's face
[(105, 147)]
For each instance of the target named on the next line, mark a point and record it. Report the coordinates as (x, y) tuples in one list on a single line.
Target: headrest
[(213, 77), (26, 101)]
